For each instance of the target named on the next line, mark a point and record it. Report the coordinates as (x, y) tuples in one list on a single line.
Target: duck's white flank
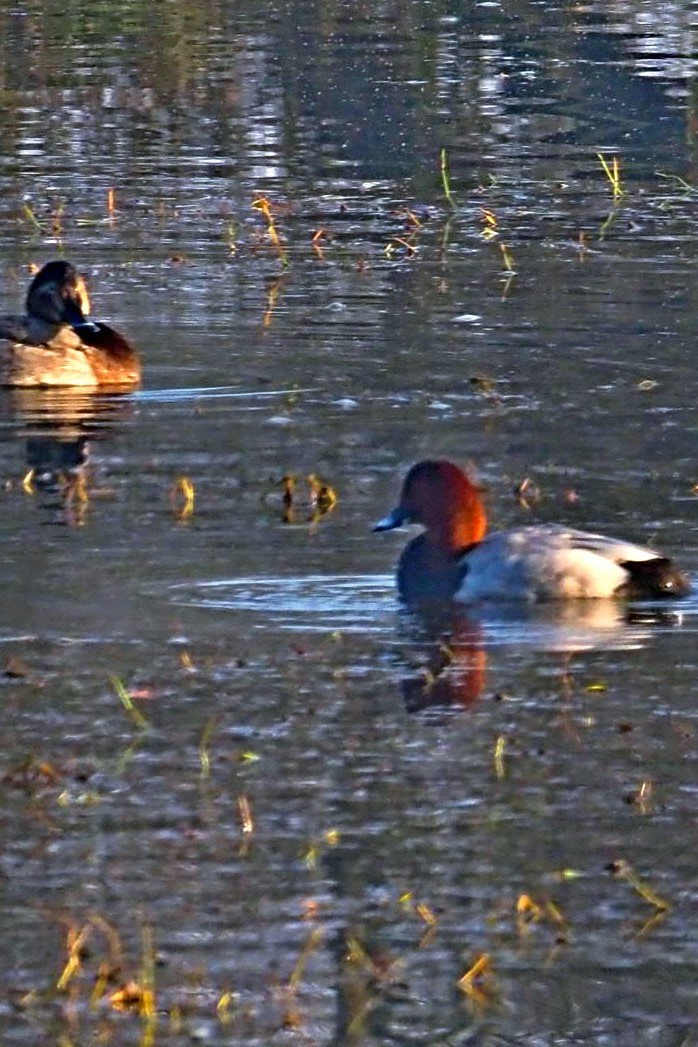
[(547, 562)]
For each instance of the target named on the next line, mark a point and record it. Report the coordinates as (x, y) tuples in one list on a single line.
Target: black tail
[(101, 336)]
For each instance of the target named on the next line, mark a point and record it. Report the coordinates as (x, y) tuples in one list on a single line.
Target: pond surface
[(318, 813)]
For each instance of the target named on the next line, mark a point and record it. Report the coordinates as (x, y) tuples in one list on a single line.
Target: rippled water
[(334, 808)]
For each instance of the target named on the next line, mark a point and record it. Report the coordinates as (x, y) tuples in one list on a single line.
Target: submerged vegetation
[(340, 232), (124, 981)]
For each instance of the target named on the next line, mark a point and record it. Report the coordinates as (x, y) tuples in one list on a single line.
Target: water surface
[(335, 808)]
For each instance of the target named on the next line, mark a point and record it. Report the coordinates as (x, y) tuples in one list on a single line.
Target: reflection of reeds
[(245, 813), (273, 291), (623, 871), (320, 500), (139, 995), (478, 983), (490, 223), (490, 231), (182, 497), (507, 259), (264, 206)]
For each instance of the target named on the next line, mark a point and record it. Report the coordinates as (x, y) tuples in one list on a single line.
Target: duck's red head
[(438, 495)]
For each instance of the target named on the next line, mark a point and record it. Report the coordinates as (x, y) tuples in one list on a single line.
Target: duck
[(54, 344), (456, 559)]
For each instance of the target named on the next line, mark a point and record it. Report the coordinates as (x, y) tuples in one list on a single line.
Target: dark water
[(380, 764)]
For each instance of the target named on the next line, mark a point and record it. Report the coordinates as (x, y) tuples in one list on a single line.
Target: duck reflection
[(450, 644), (57, 428), (450, 650), (50, 458)]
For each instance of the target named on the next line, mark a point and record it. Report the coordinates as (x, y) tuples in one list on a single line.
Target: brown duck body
[(54, 344)]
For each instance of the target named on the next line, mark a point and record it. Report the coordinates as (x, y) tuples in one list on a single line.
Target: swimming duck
[(455, 558), (55, 344)]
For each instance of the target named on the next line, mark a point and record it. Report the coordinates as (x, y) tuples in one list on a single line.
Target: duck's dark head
[(58, 295)]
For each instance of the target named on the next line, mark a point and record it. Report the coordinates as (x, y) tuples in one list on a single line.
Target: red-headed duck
[(455, 558), (54, 344)]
